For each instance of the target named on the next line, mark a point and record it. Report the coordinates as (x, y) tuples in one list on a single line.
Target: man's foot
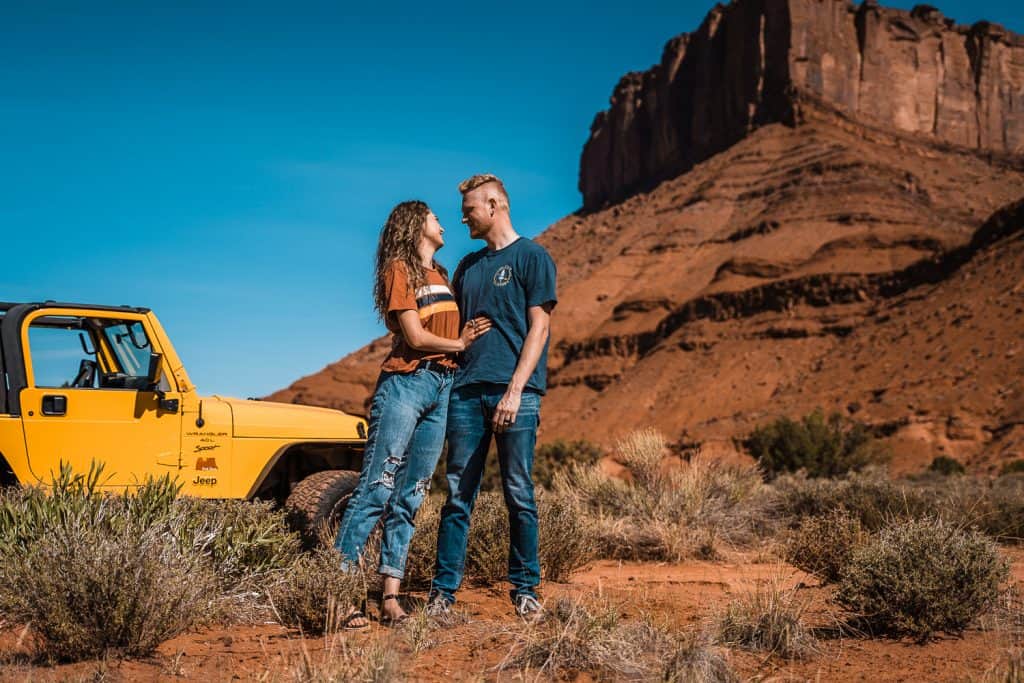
[(439, 607), (391, 612), (529, 608)]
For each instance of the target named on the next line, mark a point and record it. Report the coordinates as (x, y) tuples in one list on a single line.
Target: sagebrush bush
[(314, 594), (669, 511), (993, 506), (823, 545), (94, 573), (820, 446), (870, 496), (919, 577), (769, 619), (548, 460)]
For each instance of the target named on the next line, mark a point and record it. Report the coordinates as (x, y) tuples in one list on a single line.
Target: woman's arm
[(422, 340)]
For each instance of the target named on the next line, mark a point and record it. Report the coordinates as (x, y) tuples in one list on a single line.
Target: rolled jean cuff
[(391, 571)]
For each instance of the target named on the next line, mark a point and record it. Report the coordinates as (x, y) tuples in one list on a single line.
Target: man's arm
[(539, 318)]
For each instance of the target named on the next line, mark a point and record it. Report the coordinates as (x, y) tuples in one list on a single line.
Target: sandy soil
[(682, 596)]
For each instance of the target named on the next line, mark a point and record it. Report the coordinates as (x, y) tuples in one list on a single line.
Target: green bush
[(920, 577), (823, 545), (821, 447), (943, 464), (1012, 467)]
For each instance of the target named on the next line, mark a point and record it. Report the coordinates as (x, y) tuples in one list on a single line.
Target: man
[(496, 391)]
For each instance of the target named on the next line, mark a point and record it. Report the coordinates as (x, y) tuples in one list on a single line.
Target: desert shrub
[(576, 637), (921, 576), (993, 506), (822, 545), (669, 511), (768, 619), (566, 536), (695, 660), (244, 540), (1008, 669), (95, 573), (943, 464), (820, 446), (870, 496), (1012, 467), (378, 661), (314, 594)]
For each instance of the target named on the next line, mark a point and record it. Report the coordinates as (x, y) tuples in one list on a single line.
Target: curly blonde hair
[(399, 240)]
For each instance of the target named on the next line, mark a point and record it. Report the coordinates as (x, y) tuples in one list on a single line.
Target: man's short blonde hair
[(470, 184)]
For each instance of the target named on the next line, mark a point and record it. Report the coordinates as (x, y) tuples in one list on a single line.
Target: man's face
[(477, 212)]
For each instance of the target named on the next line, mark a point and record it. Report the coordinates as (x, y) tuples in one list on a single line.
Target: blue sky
[(230, 165)]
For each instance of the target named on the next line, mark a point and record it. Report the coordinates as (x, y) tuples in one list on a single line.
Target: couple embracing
[(467, 382)]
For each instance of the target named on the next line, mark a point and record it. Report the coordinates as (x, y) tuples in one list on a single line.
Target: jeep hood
[(265, 419)]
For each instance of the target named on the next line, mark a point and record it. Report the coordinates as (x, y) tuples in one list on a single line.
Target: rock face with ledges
[(755, 62)]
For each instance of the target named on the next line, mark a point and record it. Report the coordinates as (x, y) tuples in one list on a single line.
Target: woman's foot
[(354, 619), (391, 611)]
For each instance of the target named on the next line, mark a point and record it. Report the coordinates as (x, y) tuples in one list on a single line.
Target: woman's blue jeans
[(469, 438), (406, 434)]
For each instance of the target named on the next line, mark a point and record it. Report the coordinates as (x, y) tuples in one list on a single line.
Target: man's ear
[(493, 204)]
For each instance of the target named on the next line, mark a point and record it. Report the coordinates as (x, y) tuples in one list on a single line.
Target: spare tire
[(317, 503)]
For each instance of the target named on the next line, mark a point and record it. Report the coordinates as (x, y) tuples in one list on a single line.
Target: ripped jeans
[(407, 425)]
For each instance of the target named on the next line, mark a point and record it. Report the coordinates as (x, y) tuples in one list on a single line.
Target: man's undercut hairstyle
[(470, 184)]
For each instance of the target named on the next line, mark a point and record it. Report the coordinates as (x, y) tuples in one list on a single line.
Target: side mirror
[(156, 371)]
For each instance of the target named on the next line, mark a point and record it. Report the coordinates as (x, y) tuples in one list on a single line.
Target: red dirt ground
[(682, 596)]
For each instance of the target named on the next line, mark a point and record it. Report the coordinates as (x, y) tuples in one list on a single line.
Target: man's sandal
[(385, 619)]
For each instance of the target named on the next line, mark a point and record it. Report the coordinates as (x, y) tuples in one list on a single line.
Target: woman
[(410, 404)]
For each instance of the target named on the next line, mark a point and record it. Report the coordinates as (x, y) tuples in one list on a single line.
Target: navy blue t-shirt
[(501, 285)]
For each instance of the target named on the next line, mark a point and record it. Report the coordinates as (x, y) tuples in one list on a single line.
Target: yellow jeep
[(82, 383)]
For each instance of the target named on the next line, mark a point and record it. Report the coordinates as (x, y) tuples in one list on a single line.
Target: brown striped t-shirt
[(439, 314)]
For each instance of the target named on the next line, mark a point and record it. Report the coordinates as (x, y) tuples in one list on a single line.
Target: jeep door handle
[(54, 404)]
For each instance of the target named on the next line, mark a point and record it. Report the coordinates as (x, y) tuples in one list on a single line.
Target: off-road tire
[(317, 503)]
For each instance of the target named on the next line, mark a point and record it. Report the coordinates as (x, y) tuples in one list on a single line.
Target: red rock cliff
[(755, 62)]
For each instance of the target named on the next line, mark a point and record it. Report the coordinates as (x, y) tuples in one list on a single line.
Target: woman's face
[(432, 231)]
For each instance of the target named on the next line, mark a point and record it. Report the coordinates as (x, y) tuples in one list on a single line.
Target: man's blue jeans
[(407, 419), (469, 438)]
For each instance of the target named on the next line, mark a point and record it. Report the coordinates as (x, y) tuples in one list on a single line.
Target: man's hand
[(506, 410)]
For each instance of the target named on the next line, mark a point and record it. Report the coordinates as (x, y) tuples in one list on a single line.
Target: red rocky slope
[(828, 262)]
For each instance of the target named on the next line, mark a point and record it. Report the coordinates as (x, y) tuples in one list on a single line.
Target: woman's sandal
[(356, 614), (385, 619)]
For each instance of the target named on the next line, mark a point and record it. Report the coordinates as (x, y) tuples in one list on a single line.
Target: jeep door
[(87, 397)]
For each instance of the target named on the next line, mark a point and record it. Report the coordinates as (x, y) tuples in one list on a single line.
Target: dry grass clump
[(376, 662), (922, 576), (768, 619), (823, 545), (696, 660), (578, 638), (995, 507), (314, 594), (1009, 668), (668, 512)]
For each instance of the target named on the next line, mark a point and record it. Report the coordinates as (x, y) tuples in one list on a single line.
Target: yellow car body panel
[(216, 447)]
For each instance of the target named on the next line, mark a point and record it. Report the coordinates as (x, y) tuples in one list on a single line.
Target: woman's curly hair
[(399, 240)]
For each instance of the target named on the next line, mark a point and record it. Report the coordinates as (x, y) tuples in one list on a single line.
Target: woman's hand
[(473, 330)]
